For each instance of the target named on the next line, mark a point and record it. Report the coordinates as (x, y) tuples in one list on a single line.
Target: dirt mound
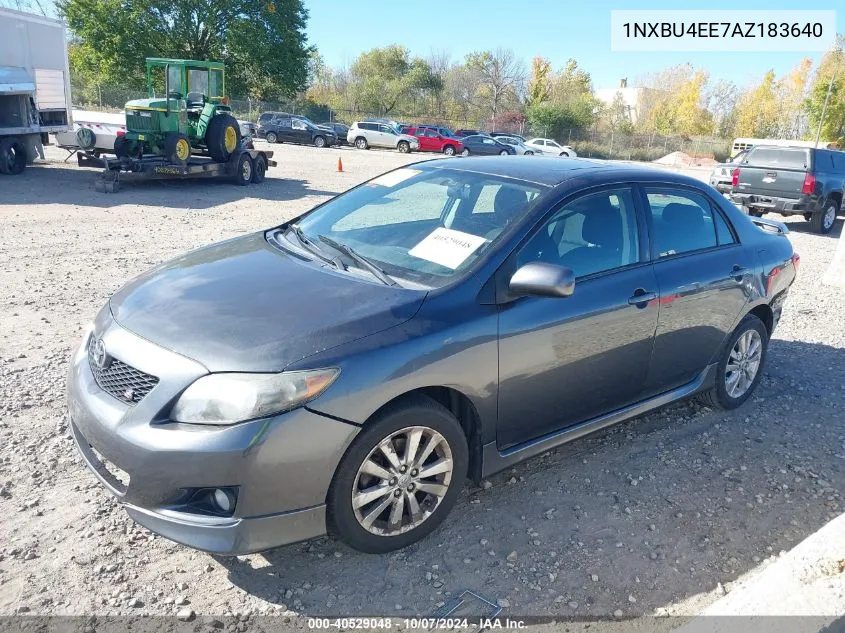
[(682, 158)]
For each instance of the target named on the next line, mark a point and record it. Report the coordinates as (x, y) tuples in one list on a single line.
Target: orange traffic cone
[(339, 164)]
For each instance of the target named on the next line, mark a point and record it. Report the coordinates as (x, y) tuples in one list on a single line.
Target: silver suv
[(366, 134)]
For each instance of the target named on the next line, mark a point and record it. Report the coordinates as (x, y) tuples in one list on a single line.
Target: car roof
[(552, 171)]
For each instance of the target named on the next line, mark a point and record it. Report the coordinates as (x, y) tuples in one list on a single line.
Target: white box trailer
[(34, 86)]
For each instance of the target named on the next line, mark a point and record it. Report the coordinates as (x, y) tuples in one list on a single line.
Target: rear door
[(704, 277), (774, 171)]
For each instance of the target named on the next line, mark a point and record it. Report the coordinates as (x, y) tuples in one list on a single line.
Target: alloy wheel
[(743, 363), (829, 217), (402, 481)]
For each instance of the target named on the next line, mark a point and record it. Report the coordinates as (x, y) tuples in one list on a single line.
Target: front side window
[(386, 129), (423, 225), (684, 221), (592, 234), (296, 124), (552, 144)]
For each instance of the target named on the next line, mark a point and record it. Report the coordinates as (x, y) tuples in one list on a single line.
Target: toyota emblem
[(99, 355)]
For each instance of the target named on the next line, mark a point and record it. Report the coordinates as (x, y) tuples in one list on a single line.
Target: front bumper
[(282, 465)]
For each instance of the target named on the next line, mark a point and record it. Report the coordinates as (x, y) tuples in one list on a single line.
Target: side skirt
[(495, 460)]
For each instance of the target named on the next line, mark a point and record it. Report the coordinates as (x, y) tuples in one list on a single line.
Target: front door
[(300, 132), (284, 132), (566, 360), (386, 136), (705, 277)]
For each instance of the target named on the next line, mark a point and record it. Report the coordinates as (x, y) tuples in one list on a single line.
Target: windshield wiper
[(360, 259), (312, 248)]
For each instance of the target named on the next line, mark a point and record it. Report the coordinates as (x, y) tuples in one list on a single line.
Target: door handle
[(641, 298), (737, 272)]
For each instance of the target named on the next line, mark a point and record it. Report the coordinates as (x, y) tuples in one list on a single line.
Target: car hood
[(408, 137), (245, 305)]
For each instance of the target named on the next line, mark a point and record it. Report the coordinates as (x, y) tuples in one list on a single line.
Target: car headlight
[(224, 399)]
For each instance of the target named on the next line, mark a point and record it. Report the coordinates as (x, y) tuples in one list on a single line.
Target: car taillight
[(735, 177), (796, 259), (809, 184)]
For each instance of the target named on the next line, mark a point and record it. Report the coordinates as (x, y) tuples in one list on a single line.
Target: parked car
[(248, 128), (508, 134), (441, 321), (341, 129), (520, 147), (394, 124), (791, 181), (485, 145), (366, 134), (550, 146), (431, 140), (720, 177), (462, 133), (290, 128)]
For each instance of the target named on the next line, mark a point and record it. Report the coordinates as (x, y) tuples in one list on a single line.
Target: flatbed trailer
[(244, 167)]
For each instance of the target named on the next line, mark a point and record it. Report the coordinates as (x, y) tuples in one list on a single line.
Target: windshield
[(424, 226)]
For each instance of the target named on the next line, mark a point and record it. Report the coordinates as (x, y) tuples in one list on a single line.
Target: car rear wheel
[(361, 143), (823, 221), (399, 478), (529, 153), (741, 365)]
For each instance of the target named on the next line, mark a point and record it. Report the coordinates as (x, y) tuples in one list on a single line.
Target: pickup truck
[(791, 181)]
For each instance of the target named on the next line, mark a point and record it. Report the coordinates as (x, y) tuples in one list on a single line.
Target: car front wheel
[(741, 365), (403, 147), (399, 478), (449, 150), (361, 143), (465, 152)]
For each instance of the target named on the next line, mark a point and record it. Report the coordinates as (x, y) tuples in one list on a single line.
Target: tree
[(618, 115), (501, 77), (832, 67), (382, 79), (539, 86), (759, 109), (673, 102), (262, 44), (721, 102)]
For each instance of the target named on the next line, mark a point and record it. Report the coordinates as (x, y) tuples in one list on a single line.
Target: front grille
[(141, 121), (120, 380)]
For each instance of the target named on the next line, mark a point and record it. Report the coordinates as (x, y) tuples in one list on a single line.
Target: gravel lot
[(660, 514)]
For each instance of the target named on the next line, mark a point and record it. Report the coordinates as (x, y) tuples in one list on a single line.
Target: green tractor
[(188, 115)]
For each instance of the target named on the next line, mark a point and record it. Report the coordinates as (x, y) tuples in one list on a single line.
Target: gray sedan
[(350, 369)]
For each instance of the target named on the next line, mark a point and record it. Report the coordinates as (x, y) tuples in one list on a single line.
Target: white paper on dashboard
[(447, 247), (393, 178)]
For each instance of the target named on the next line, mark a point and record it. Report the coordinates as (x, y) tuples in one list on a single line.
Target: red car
[(433, 141)]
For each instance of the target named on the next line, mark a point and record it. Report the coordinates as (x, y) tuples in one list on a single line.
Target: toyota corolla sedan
[(348, 370)]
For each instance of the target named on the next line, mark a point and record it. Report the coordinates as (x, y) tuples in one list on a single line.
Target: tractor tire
[(259, 169), (177, 148), (122, 147), (223, 137), (12, 156)]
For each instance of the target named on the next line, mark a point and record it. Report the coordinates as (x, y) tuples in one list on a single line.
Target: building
[(630, 97)]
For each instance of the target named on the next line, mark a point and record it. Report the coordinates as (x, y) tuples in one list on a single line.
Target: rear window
[(786, 158)]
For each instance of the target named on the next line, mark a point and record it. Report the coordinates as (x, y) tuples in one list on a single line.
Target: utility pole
[(824, 109)]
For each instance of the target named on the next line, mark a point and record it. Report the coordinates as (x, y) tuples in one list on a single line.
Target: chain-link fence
[(590, 143)]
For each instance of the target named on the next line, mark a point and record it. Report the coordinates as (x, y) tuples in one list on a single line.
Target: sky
[(556, 30)]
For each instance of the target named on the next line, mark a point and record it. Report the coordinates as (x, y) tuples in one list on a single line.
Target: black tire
[(822, 221), (122, 147), (12, 156), (177, 148), (219, 137), (272, 138), (755, 214), (319, 141), (449, 150), (361, 143), (503, 153), (417, 411), (808, 216), (244, 169), (259, 169), (529, 153), (718, 397), (404, 147)]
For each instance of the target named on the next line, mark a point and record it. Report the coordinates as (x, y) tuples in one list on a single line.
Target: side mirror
[(543, 280)]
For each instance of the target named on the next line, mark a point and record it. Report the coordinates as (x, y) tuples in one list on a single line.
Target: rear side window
[(785, 158), (683, 222)]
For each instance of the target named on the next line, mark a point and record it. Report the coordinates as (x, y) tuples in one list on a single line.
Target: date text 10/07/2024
[(478, 624)]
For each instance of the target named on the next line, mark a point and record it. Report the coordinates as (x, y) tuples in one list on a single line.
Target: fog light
[(224, 500)]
